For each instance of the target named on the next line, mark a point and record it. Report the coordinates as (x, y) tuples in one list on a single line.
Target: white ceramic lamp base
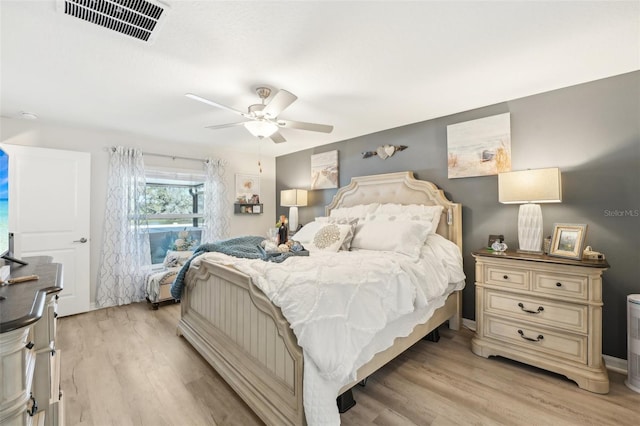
[(293, 218), (530, 228)]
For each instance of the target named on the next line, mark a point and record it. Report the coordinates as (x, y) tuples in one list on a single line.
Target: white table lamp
[(293, 198), (528, 188)]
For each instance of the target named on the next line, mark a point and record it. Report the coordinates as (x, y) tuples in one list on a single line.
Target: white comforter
[(336, 303)]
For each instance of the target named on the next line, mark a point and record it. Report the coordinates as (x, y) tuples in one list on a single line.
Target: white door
[(49, 215)]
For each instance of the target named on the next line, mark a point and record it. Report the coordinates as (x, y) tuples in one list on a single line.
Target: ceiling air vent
[(140, 19)]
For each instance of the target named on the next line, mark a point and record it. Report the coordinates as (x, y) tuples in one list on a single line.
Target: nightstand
[(544, 311)]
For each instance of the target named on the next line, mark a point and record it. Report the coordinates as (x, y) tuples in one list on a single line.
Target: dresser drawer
[(560, 285), (554, 314), (539, 340), (16, 367), (507, 277)]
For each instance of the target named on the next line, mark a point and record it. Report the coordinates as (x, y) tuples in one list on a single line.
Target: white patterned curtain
[(125, 241), (216, 207)]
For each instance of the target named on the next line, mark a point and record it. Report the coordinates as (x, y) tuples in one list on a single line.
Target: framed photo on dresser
[(568, 240)]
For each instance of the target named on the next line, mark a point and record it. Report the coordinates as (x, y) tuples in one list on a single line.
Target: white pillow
[(329, 237), (176, 258), (307, 232), (400, 237), (323, 220), (412, 212), (358, 211)]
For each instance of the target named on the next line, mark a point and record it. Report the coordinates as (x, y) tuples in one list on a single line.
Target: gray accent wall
[(590, 131)]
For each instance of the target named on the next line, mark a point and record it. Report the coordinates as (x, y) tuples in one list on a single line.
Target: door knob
[(81, 240)]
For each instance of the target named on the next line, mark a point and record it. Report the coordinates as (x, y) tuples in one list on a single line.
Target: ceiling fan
[(263, 120)]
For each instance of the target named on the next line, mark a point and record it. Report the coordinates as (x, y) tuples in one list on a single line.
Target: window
[(174, 211)]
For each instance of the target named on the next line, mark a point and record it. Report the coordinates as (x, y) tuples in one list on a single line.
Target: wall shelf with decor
[(247, 208)]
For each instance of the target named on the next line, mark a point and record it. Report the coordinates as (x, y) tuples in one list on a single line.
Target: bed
[(231, 322)]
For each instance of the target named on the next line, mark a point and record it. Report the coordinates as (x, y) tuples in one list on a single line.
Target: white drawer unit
[(542, 311), (29, 359), (17, 363)]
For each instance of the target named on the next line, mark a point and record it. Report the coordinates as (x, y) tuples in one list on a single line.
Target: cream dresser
[(29, 358), (543, 311)]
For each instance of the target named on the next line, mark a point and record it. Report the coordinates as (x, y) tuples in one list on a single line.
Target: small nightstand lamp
[(293, 198), (529, 187)]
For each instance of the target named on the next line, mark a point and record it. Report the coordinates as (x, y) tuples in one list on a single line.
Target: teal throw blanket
[(245, 247)]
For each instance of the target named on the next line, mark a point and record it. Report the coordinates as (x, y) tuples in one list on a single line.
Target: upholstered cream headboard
[(401, 188)]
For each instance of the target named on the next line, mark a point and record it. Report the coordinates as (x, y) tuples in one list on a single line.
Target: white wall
[(30, 133)]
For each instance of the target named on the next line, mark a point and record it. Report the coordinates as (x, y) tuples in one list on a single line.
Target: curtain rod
[(173, 157)]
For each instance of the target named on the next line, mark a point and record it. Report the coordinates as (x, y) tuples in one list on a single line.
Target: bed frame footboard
[(246, 339)]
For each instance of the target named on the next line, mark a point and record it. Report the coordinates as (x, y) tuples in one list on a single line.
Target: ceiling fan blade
[(223, 126), (277, 137), (280, 101), (314, 127), (215, 104)]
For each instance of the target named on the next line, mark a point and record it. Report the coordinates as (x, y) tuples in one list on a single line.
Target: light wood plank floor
[(126, 366)]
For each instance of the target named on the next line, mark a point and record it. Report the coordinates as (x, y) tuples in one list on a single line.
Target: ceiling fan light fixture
[(261, 129), (262, 118)]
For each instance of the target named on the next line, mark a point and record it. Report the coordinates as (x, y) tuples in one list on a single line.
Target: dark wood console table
[(23, 304)]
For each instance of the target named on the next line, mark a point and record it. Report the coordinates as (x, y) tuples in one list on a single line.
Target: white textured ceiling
[(360, 66)]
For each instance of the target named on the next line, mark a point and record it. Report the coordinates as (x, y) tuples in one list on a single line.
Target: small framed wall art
[(324, 170), (247, 188)]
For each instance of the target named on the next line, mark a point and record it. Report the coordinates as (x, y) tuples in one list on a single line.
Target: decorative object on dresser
[(528, 188), (499, 247), (293, 198), (29, 358), (568, 240), (542, 311)]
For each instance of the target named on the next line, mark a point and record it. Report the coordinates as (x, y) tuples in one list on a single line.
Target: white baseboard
[(470, 324), (614, 364)]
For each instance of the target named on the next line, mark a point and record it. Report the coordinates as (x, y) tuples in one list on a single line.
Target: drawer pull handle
[(34, 407), (29, 345), (540, 309), (506, 277), (521, 333), (558, 284)]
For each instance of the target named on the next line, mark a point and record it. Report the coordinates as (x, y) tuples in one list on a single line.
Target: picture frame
[(324, 170), (247, 188), (480, 147), (568, 240), (494, 238)]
